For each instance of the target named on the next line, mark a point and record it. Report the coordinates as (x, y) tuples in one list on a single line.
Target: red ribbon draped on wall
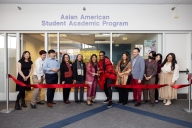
[(48, 85)]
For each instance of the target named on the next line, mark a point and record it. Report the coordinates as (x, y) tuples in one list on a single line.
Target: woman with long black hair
[(169, 75), (25, 69), (66, 76), (158, 59)]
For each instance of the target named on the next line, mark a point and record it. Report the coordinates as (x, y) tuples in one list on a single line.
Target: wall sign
[(83, 20)]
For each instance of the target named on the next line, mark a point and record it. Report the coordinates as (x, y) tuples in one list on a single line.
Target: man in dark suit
[(138, 68)]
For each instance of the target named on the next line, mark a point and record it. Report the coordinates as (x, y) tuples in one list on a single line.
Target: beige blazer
[(127, 71)]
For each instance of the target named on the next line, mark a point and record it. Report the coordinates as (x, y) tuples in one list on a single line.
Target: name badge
[(70, 64), (81, 65)]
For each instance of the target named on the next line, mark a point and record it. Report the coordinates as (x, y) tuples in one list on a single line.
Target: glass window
[(12, 59), (2, 84), (85, 44), (126, 42)]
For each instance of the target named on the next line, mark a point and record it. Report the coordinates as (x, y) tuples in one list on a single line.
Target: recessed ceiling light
[(55, 35), (107, 35), (124, 38), (102, 42)]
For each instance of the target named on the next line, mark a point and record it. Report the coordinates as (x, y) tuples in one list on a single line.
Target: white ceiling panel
[(95, 1)]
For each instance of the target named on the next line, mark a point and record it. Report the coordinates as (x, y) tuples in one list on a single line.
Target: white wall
[(33, 46), (138, 16)]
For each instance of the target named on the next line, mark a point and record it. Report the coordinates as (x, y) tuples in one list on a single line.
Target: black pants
[(123, 95), (156, 90), (51, 79), (66, 91), (107, 89), (81, 91), (20, 95)]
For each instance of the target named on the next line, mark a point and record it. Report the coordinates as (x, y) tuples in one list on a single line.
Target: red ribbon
[(140, 86), (151, 86), (48, 85), (180, 86), (189, 77)]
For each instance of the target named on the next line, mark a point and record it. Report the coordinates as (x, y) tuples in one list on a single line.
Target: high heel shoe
[(93, 101), (89, 103)]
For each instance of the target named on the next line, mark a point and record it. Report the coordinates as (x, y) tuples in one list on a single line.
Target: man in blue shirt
[(51, 66)]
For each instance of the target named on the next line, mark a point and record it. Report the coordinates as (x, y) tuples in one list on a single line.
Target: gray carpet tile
[(117, 118), (33, 118), (174, 110), (111, 118)]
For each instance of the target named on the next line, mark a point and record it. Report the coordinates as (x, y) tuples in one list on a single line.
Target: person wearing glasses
[(107, 76)]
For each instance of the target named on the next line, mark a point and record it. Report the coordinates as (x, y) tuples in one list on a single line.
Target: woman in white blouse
[(169, 75)]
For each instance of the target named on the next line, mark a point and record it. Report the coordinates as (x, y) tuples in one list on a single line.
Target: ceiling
[(89, 38), (95, 1)]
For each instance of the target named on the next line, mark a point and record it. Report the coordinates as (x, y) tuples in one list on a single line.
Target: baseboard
[(182, 96)]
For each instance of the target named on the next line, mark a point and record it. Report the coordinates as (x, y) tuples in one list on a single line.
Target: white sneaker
[(168, 102), (164, 101)]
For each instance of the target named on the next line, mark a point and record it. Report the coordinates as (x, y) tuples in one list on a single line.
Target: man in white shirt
[(38, 78)]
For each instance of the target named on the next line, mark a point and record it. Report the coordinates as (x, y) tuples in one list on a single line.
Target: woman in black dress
[(66, 76), (24, 73)]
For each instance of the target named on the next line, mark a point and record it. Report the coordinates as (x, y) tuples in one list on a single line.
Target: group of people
[(137, 71)]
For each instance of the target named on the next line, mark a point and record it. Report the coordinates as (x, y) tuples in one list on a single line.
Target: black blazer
[(63, 69), (75, 76)]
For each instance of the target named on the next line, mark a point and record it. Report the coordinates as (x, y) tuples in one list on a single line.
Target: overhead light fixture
[(65, 42), (117, 45), (102, 42), (107, 35), (55, 35), (124, 38)]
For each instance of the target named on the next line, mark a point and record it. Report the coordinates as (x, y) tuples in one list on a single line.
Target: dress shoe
[(137, 104), (17, 106), (119, 102), (152, 104), (49, 105), (168, 102), (23, 104), (33, 106), (53, 102), (82, 101), (133, 101), (40, 102), (145, 101), (124, 103), (67, 102), (77, 102), (164, 101)]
